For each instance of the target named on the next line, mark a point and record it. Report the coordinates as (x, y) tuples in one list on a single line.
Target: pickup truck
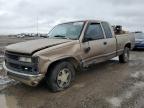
[(69, 47)]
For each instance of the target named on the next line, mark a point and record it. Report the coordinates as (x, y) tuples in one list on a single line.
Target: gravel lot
[(105, 85)]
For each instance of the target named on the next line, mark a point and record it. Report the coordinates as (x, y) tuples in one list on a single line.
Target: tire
[(124, 58), (60, 77)]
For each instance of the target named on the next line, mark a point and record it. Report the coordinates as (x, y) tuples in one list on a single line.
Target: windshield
[(139, 36), (70, 30)]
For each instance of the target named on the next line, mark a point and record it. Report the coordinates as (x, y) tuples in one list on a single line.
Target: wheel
[(124, 58), (61, 76)]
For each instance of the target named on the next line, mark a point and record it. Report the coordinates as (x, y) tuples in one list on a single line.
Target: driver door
[(94, 44)]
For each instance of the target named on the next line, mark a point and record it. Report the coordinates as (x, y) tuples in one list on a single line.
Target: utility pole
[(37, 26)]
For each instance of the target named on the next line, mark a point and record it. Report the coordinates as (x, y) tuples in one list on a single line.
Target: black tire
[(56, 76), (124, 58)]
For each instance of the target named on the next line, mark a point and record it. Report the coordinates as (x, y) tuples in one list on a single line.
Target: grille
[(13, 63), (11, 56)]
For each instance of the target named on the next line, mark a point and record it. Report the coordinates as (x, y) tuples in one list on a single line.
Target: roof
[(83, 21)]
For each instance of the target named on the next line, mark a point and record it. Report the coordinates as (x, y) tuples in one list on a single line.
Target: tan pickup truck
[(69, 47)]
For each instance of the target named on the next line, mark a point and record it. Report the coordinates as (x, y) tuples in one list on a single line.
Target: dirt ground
[(105, 85)]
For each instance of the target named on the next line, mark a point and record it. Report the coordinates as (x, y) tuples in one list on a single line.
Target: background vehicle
[(70, 46), (139, 40)]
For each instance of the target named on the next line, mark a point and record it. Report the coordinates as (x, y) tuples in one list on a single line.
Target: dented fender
[(56, 53)]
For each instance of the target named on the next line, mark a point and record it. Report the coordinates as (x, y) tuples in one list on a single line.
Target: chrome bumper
[(28, 79)]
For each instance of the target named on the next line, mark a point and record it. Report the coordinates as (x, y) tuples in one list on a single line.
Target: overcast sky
[(18, 16)]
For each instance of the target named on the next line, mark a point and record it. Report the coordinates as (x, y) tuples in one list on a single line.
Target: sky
[(18, 16)]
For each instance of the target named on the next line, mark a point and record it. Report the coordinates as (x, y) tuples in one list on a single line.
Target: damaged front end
[(23, 68)]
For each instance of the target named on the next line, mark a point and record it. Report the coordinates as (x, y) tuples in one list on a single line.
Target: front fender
[(46, 62)]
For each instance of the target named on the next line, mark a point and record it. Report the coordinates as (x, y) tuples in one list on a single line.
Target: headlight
[(25, 59)]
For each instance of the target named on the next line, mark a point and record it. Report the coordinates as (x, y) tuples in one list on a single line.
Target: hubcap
[(63, 78)]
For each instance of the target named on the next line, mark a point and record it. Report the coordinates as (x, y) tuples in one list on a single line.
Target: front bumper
[(28, 79)]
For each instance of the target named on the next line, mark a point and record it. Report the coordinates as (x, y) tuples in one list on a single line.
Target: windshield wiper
[(64, 37), (61, 36)]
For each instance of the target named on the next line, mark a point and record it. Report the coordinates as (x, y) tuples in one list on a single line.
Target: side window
[(94, 32), (107, 30)]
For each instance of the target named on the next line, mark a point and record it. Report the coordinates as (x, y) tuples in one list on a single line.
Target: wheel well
[(69, 59), (128, 45)]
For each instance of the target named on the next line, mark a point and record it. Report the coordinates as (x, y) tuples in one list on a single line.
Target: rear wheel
[(124, 58), (61, 76)]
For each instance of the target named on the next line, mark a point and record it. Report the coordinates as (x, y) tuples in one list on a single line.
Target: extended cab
[(70, 46)]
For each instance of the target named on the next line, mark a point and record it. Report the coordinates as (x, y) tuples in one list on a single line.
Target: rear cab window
[(107, 30)]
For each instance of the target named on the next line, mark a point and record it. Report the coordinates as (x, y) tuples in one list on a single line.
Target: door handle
[(87, 49), (105, 43)]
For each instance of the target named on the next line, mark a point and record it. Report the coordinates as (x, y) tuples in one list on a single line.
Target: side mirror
[(87, 38)]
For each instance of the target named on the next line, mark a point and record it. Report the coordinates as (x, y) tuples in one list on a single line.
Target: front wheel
[(61, 76), (124, 58)]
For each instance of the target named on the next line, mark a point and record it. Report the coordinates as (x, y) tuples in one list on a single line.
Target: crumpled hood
[(34, 45)]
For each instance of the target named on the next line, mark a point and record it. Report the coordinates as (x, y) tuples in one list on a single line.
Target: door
[(110, 41), (94, 45)]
